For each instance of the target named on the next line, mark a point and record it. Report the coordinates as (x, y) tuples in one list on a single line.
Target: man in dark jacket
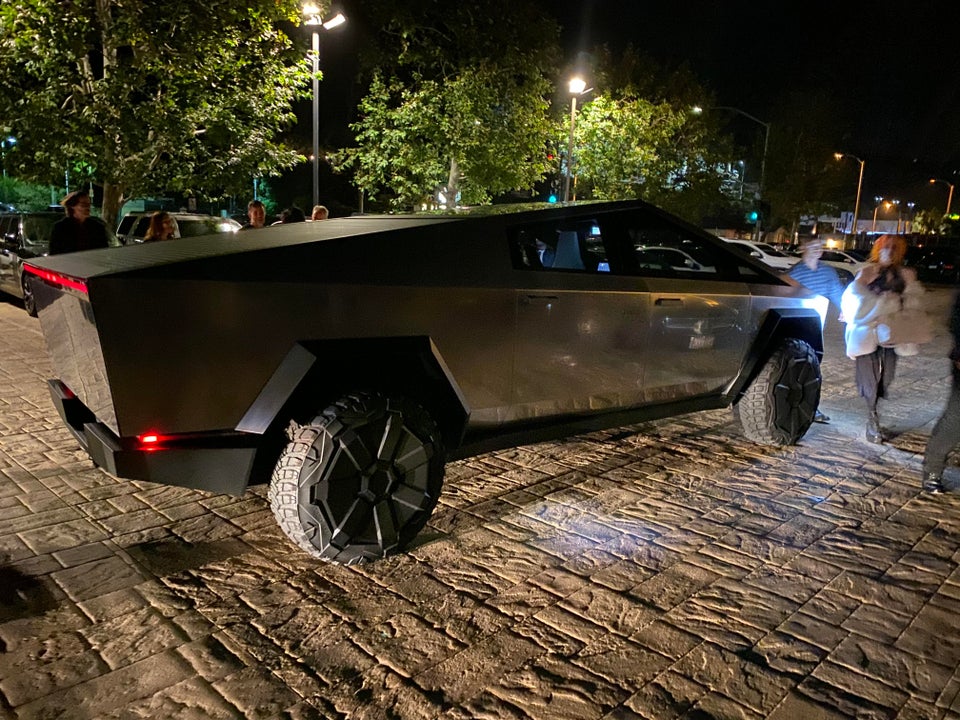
[(946, 433), (78, 230)]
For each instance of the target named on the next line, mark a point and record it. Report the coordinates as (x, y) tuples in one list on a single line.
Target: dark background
[(891, 70)]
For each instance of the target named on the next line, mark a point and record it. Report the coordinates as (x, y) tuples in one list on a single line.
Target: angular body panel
[(506, 326)]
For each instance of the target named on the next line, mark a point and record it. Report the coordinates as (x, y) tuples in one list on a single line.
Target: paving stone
[(192, 699), (256, 693), (916, 675), (467, 673), (744, 676), (98, 577), (110, 691), (129, 638), (668, 696)]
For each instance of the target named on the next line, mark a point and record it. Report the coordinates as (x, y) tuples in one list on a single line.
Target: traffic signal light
[(752, 216)]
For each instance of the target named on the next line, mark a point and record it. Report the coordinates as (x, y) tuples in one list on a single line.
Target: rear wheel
[(779, 405), (360, 480), (29, 301)]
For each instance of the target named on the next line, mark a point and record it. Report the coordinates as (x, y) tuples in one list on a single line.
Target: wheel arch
[(317, 372), (778, 324)]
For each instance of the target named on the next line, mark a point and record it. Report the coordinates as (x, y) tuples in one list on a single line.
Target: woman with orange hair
[(875, 307)]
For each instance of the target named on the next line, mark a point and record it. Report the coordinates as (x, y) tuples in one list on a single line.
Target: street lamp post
[(949, 195), (313, 19), (577, 87), (856, 205), (878, 200), (766, 145)]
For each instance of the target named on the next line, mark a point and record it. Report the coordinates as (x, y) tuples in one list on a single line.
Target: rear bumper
[(218, 462)]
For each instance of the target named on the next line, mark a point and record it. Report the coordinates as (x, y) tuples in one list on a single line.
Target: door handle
[(668, 301), (528, 299)]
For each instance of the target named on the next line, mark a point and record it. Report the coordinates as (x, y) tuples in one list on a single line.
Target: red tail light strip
[(57, 278)]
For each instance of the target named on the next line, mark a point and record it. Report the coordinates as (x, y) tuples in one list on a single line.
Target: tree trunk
[(453, 183), (112, 201)]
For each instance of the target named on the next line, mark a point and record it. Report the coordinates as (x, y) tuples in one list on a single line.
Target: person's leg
[(888, 370), (867, 373), (945, 435)]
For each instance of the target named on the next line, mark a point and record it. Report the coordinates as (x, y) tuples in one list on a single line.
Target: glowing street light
[(312, 13), (577, 87), (949, 195), (856, 207)]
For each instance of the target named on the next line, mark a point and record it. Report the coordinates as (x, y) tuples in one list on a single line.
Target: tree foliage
[(178, 96), (457, 102), (803, 178), (635, 136)]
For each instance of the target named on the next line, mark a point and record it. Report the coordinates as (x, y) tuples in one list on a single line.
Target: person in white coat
[(874, 336)]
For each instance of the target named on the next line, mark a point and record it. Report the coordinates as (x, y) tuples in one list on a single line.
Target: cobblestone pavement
[(663, 570)]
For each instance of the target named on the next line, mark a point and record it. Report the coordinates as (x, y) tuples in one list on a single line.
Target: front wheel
[(360, 480), (779, 405)]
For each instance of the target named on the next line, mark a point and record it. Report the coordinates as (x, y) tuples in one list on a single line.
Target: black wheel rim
[(795, 397)]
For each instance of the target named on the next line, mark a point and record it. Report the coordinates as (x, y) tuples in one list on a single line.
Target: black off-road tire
[(360, 480), (779, 405)]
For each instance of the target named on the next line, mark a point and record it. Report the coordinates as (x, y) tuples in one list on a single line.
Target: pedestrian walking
[(819, 278), (884, 311), (946, 433), (78, 230)]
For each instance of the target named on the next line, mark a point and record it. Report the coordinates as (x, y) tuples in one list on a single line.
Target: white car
[(764, 252), (654, 256), (842, 260), (133, 226)]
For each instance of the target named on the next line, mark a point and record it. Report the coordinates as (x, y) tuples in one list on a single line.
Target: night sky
[(893, 68)]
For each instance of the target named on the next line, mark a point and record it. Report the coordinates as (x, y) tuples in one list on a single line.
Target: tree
[(636, 137), (802, 176), (179, 96), (456, 105)]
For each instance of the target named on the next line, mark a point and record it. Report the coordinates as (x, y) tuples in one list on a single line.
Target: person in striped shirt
[(819, 278)]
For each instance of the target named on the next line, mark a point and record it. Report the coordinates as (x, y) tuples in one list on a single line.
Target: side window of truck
[(575, 245), (658, 248)]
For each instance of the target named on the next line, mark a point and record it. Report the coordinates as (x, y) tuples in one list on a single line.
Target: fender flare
[(778, 323), (317, 372)]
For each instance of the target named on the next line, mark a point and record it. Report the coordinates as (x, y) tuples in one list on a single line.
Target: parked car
[(23, 236), (344, 362), (133, 226), (764, 252), (842, 260), (938, 265), (668, 259)]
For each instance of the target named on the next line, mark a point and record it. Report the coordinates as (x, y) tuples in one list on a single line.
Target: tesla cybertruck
[(345, 362)]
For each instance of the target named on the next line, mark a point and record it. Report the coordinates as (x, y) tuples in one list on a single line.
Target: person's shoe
[(819, 417), (933, 483), (873, 429)]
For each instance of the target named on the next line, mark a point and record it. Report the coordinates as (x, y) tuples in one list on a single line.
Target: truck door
[(581, 328)]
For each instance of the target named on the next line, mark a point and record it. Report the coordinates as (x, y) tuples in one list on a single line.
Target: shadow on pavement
[(22, 595), (173, 555)]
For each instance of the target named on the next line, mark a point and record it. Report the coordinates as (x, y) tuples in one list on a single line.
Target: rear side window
[(36, 232), (125, 224), (661, 249), (193, 228), (562, 246)]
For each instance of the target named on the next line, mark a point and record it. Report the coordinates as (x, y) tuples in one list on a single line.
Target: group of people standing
[(257, 215), (885, 319)]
